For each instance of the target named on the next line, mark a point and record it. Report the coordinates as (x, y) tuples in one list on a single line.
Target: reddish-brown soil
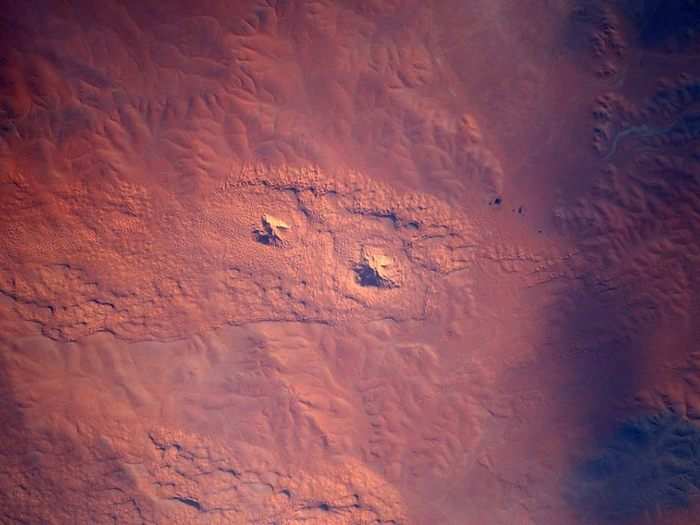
[(350, 262)]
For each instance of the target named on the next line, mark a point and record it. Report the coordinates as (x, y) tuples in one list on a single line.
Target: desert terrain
[(350, 262)]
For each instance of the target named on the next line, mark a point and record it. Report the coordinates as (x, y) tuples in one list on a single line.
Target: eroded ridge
[(164, 271), (158, 475), (208, 483)]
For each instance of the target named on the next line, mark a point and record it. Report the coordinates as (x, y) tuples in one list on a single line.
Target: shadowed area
[(649, 465), (658, 21)]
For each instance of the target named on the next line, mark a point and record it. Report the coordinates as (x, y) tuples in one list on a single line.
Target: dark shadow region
[(664, 22), (648, 466)]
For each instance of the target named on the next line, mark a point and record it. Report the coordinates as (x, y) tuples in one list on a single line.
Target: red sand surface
[(350, 262)]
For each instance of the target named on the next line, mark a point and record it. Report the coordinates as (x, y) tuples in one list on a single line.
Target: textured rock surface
[(356, 262)]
